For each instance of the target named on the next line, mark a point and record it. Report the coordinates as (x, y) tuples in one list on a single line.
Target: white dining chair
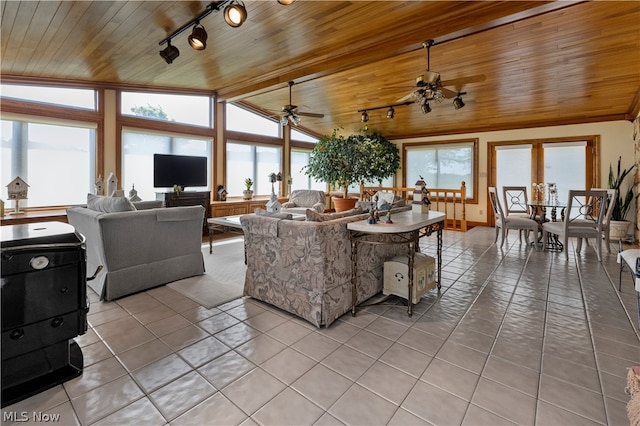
[(505, 222), (585, 212)]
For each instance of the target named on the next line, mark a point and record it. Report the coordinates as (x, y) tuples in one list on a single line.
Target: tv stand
[(189, 198)]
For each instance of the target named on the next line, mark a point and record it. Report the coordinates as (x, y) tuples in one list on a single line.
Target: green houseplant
[(247, 194), (342, 161), (624, 199)]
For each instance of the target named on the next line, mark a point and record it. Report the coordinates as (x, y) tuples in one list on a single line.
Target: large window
[(299, 179), (138, 148), (442, 165), (62, 96), (185, 109), (242, 120), (246, 160), (56, 160), (567, 163)]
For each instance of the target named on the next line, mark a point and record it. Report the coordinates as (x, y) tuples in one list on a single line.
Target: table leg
[(210, 240), (411, 259), (439, 255), (354, 293)]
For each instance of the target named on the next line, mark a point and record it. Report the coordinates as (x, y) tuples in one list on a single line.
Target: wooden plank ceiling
[(523, 64)]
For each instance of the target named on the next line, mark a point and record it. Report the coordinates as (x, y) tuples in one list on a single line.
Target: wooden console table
[(407, 228), (239, 206), (189, 198)]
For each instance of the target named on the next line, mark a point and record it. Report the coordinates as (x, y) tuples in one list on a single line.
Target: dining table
[(539, 210)]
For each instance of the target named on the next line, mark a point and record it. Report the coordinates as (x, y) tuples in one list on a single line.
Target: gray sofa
[(304, 267), (140, 249)]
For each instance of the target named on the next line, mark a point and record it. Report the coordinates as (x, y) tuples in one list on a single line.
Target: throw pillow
[(278, 215), (314, 216), (383, 198), (104, 204)]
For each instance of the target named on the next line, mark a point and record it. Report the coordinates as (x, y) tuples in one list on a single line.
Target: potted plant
[(619, 226), (247, 194), (342, 161)]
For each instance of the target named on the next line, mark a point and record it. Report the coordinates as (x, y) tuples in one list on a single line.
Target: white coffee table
[(232, 224)]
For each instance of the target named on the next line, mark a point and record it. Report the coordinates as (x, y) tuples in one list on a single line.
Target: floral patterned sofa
[(304, 267)]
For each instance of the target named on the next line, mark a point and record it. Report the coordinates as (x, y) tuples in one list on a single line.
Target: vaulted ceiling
[(521, 63)]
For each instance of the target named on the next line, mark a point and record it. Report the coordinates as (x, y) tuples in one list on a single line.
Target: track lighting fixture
[(426, 109), (235, 14), (169, 53), (457, 102), (391, 113), (198, 37), (364, 117)]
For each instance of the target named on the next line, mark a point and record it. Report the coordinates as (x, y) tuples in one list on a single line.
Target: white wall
[(616, 139)]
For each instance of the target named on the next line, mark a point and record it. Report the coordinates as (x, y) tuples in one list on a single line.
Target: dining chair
[(516, 201), (611, 203), (505, 222), (585, 212)]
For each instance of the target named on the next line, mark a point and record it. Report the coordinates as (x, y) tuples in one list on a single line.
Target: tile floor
[(516, 337)]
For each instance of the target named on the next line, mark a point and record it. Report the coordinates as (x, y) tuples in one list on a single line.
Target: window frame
[(452, 142)]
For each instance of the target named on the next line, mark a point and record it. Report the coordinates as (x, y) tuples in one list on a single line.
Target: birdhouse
[(17, 189), (222, 193), (273, 205), (421, 201), (112, 183), (133, 194), (99, 186)]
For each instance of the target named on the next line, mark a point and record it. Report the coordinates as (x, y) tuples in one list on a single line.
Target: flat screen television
[(183, 170)]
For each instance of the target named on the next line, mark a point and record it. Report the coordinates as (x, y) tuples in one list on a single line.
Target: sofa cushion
[(278, 215), (313, 216), (104, 204)]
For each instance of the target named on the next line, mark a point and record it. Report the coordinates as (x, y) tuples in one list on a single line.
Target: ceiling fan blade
[(458, 82), (407, 97), (448, 93), (310, 114)]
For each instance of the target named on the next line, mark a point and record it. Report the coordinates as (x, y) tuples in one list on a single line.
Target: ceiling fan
[(291, 113), (430, 87)]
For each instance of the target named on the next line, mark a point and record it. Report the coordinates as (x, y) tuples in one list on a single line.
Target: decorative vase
[(618, 229), (247, 194), (343, 204)]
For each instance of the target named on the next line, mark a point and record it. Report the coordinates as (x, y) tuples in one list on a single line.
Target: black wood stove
[(44, 306)]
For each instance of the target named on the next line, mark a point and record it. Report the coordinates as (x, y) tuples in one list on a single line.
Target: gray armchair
[(303, 199)]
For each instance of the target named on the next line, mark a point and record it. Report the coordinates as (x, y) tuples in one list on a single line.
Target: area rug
[(223, 279)]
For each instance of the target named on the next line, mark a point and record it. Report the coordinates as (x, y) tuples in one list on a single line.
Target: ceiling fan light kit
[(235, 13), (291, 113)]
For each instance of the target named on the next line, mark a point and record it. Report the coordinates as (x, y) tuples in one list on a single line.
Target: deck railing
[(452, 202)]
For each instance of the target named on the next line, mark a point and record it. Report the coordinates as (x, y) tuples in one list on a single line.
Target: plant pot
[(618, 229), (343, 204), (247, 194)]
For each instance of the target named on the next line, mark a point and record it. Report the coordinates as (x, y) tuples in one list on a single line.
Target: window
[(137, 158), (245, 160), (297, 135), (242, 120), (185, 109), (56, 160), (563, 162), (299, 159), (442, 165), (63, 96)]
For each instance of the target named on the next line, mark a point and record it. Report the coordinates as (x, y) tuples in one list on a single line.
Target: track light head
[(198, 37), (391, 113), (457, 102), (364, 117), (286, 2), (426, 109), (235, 14), (169, 53)]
